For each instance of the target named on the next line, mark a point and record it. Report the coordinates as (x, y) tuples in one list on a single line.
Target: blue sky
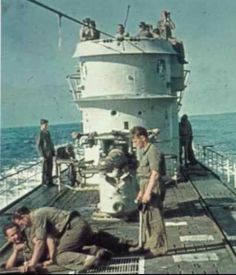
[(34, 69)]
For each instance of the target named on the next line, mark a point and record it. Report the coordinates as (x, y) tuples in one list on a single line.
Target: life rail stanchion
[(58, 169), (59, 163)]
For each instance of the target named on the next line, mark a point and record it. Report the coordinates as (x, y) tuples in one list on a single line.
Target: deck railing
[(222, 165), (16, 185)]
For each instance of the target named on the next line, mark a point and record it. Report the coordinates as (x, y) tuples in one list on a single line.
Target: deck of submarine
[(200, 217)]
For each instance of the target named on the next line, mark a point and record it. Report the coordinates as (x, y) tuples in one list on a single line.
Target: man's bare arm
[(51, 247), (151, 184), (39, 246), (11, 262)]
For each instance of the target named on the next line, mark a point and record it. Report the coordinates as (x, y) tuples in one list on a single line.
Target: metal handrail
[(208, 147), (17, 184), (20, 171), (222, 165)]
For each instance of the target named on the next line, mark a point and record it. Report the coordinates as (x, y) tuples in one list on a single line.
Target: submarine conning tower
[(122, 84)]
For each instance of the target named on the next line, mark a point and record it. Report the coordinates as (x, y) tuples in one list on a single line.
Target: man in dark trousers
[(186, 139), (47, 151)]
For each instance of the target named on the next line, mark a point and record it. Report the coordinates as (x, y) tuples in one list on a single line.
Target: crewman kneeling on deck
[(22, 250), (152, 192), (76, 240)]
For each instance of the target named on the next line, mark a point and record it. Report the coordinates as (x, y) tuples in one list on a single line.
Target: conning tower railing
[(222, 165), (18, 184)]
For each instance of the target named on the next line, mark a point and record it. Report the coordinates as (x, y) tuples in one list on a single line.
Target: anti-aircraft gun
[(116, 170)]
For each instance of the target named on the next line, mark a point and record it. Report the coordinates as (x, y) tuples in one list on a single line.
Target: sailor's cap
[(43, 121), (86, 20), (184, 116), (76, 135), (141, 24), (69, 147)]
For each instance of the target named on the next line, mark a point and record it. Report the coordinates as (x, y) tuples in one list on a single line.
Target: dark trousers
[(188, 151), (47, 170), (110, 242), (77, 235), (191, 155)]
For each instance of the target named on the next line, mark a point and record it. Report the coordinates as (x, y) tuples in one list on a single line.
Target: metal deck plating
[(199, 217)]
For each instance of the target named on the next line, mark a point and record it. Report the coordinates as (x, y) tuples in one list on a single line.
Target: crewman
[(85, 30), (144, 31), (186, 138), (166, 25), (22, 251), (94, 33), (152, 192), (89, 31), (47, 152), (73, 234), (120, 33)]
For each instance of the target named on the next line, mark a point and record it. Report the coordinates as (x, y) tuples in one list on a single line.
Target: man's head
[(76, 135), (43, 124), (142, 25), (12, 232), (70, 150), (92, 24), (86, 21), (22, 216), (164, 14), (139, 137), (184, 118), (120, 29), (156, 31), (149, 27)]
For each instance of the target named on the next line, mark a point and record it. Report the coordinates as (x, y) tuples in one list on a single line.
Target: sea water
[(19, 150), (18, 145)]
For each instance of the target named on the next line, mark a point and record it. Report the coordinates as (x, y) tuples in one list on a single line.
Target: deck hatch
[(121, 265)]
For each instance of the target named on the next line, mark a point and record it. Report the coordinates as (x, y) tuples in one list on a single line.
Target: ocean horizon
[(18, 144), (74, 122)]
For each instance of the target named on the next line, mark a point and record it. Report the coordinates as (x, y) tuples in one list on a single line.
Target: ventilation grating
[(121, 265)]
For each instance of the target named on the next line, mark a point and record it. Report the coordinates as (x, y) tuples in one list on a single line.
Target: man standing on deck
[(186, 139), (152, 192), (47, 151)]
